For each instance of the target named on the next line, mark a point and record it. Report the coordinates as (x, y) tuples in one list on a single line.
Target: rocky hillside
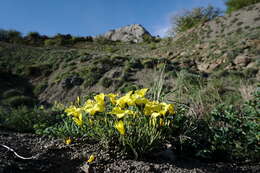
[(227, 47)]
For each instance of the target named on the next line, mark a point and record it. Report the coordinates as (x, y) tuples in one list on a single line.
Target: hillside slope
[(226, 48)]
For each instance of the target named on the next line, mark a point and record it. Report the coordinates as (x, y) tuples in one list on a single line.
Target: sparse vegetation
[(233, 5), (192, 18)]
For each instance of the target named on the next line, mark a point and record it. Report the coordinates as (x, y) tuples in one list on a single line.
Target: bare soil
[(53, 155)]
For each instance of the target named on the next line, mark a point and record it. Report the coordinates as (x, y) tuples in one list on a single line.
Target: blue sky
[(92, 17)]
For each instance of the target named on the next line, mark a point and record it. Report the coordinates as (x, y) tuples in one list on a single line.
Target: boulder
[(241, 60), (131, 33)]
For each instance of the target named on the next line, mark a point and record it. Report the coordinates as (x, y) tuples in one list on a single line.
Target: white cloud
[(162, 30)]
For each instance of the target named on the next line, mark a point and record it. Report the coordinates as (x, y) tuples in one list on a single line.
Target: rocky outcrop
[(131, 33)]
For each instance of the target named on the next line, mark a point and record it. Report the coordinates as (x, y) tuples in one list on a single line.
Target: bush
[(59, 40), (34, 38), (132, 122), (233, 5), (229, 133), (3, 35), (24, 119), (192, 18), (49, 42), (11, 36)]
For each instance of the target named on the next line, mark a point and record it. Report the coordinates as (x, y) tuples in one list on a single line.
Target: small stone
[(87, 168)]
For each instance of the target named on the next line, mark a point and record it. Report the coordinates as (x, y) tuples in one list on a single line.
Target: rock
[(131, 33), (203, 67), (241, 60), (251, 65), (86, 168)]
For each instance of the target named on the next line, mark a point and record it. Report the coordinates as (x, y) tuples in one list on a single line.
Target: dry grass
[(246, 91)]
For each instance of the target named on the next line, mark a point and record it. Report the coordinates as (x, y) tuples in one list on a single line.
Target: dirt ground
[(54, 156)]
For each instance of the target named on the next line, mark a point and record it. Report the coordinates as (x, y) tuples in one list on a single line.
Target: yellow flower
[(141, 92), (126, 99), (158, 108), (140, 101), (100, 99), (96, 108), (78, 120), (112, 97), (91, 158), (120, 127), (68, 141), (121, 113), (73, 110), (152, 107), (98, 105), (167, 108), (78, 100)]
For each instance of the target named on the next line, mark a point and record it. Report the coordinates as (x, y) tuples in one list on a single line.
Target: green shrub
[(192, 18), (229, 133), (14, 36), (34, 38), (24, 119), (49, 42), (233, 5)]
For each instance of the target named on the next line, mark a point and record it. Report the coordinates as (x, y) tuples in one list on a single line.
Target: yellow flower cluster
[(121, 107)]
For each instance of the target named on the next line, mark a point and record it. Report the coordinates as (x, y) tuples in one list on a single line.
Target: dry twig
[(21, 157)]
